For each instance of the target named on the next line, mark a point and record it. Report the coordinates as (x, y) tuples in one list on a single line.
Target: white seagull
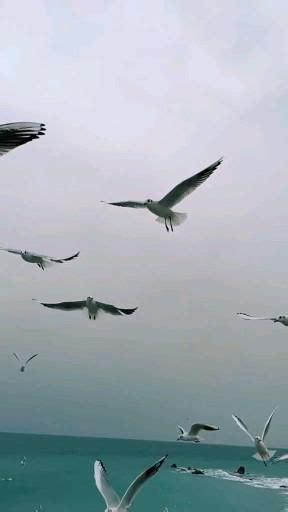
[(192, 435), (93, 306), (112, 500), (282, 319), (282, 458), (162, 208), (13, 135), (40, 260), (23, 366), (263, 454)]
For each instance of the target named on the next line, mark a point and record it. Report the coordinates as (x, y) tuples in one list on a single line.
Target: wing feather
[(196, 427), (187, 186), (113, 310), (181, 429), (267, 424), (13, 135), (30, 358), (245, 316), (242, 425), (137, 484), (110, 496), (128, 204), (66, 306), (61, 260)]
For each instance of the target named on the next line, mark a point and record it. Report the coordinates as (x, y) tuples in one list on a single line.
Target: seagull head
[(258, 438), (148, 201)]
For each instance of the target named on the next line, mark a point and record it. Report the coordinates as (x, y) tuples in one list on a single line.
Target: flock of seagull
[(13, 135)]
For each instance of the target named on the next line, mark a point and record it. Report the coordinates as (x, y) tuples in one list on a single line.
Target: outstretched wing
[(61, 260), (187, 186), (111, 498), (135, 487), (66, 306), (30, 358), (181, 429), (128, 204), (196, 427), (14, 251), (245, 316), (267, 424), (113, 310), (281, 458), (14, 354), (243, 427), (13, 135)]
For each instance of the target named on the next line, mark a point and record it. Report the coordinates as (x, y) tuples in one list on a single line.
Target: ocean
[(58, 474)]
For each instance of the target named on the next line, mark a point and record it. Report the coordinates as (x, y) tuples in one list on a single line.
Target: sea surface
[(58, 474)]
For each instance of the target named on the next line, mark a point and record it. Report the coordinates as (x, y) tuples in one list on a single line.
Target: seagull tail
[(269, 455), (177, 218)]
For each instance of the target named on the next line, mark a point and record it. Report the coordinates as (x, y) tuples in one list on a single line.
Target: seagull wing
[(13, 135), (181, 429), (128, 204), (30, 359), (61, 260), (66, 306), (281, 458), (111, 498), (187, 186), (113, 310), (195, 429), (14, 251), (135, 487), (245, 316), (14, 354), (243, 427), (267, 424)]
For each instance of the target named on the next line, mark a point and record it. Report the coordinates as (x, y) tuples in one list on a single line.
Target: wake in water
[(254, 481)]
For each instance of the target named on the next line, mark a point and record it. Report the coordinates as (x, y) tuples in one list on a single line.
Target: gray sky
[(138, 96)]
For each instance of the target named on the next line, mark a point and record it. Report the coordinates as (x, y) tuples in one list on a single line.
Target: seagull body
[(40, 260), (112, 500), (262, 451), (13, 135), (192, 435), (23, 366), (162, 208), (93, 306), (281, 319)]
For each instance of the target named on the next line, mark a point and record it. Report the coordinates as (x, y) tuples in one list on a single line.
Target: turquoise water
[(59, 476)]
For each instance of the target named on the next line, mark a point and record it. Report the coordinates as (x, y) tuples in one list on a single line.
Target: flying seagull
[(112, 500), (282, 458), (13, 135), (163, 207), (40, 260), (93, 306), (282, 319), (23, 366), (192, 435), (262, 451)]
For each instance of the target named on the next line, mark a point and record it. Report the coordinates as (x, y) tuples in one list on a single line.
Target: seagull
[(282, 458), (192, 435), (282, 319), (262, 451), (13, 135), (112, 500), (39, 259), (93, 306), (22, 368), (162, 208)]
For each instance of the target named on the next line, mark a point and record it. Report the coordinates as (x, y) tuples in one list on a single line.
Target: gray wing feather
[(128, 204), (187, 186), (61, 260), (181, 429), (242, 425), (245, 316), (135, 487), (66, 306), (267, 424), (14, 251), (196, 427), (13, 135), (14, 354), (30, 358), (113, 310)]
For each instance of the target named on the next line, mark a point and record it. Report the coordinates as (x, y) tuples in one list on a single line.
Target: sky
[(136, 97)]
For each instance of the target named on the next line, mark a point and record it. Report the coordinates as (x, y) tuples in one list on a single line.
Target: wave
[(254, 481)]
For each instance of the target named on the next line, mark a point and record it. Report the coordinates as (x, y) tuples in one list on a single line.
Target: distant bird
[(13, 135), (93, 306), (22, 368), (282, 319), (162, 208), (192, 435), (263, 454), (39, 259), (23, 461), (112, 500)]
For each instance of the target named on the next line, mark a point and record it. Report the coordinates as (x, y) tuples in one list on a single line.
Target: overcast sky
[(138, 96)]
